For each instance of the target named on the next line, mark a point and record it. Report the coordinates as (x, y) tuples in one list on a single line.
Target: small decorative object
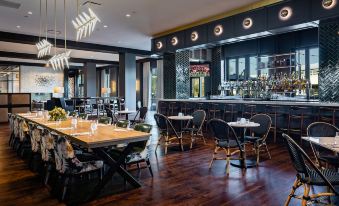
[(84, 24), (159, 45), (285, 13), (194, 36), (57, 114), (329, 4), (218, 30), (174, 41), (247, 23)]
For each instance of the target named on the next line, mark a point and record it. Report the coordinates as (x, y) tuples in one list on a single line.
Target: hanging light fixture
[(58, 61), (43, 46), (84, 24)]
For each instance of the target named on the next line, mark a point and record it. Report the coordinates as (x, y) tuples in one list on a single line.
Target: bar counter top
[(260, 102)]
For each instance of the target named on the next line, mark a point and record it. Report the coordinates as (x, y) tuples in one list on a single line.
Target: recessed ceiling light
[(29, 13), (18, 27), (105, 26), (128, 15)]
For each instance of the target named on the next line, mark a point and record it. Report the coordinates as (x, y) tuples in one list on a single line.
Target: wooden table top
[(105, 135)]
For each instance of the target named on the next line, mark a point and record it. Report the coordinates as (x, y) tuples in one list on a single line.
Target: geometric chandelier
[(43, 46), (84, 24), (58, 61)]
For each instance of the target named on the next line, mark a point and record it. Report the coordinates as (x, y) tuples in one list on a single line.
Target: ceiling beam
[(30, 39), (34, 57)]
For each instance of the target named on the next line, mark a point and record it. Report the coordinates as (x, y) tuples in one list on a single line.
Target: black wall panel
[(267, 45), (307, 38), (228, 29), (169, 76), (319, 12), (299, 13), (285, 43), (241, 48), (163, 41), (258, 17), (202, 36), (181, 41)]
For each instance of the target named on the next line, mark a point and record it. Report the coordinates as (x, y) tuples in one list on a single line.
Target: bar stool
[(326, 114), (274, 112), (248, 110), (173, 108), (214, 111), (229, 111), (296, 121), (186, 108), (162, 108)]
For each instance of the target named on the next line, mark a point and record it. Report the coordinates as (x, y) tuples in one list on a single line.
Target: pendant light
[(58, 61), (43, 46), (84, 24)]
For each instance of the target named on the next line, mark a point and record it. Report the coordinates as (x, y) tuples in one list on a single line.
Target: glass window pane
[(314, 65), (301, 63), (253, 67), (263, 66), (241, 66), (232, 72), (222, 66)]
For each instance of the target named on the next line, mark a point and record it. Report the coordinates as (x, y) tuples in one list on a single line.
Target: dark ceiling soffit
[(29, 39), (34, 57), (7, 63)]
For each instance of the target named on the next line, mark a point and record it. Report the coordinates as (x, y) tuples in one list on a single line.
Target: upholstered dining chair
[(69, 165), (194, 126), (168, 133), (322, 155), (139, 152), (35, 133), (258, 135), (105, 120), (24, 144), (309, 175), (227, 140), (48, 141), (83, 116)]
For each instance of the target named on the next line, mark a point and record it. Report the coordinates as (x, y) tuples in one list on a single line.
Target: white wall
[(39, 79)]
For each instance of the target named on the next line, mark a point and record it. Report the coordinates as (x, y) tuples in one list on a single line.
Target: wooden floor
[(180, 178)]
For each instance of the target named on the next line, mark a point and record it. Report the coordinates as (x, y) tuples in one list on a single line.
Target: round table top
[(188, 117), (126, 112), (243, 125)]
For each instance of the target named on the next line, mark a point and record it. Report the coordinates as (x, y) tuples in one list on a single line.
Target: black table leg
[(115, 166)]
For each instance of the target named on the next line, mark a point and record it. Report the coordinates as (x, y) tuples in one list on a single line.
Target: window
[(232, 69), (314, 65), (253, 67), (263, 66), (222, 69), (301, 63), (9, 79), (241, 68)]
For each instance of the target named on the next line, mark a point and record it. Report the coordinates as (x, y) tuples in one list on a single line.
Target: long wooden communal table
[(105, 136)]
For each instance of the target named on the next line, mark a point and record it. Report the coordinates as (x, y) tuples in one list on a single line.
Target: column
[(127, 79), (216, 70), (90, 79), (169, 77), (329, 60), (182, 63)]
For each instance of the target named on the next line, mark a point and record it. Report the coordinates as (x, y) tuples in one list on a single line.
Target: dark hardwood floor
[(180, 178)]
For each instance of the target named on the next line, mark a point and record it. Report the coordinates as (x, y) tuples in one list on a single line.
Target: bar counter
[(287, 116)]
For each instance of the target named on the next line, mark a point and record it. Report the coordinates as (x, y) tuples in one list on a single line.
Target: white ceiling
[(148, 17)]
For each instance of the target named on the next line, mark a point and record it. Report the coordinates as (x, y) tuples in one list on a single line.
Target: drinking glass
[(93, 127), (336, 138), (238, 119)]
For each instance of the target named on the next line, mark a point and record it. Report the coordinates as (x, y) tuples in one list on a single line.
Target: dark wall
[(282, 43), (169, 76)]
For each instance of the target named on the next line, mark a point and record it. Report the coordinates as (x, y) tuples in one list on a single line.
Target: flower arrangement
[(57, 114)]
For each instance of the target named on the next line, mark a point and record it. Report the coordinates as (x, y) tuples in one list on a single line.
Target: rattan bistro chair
[(258, 135), (227, 140), (322, 155), (309, 175), (167, 132), (194, 126)]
